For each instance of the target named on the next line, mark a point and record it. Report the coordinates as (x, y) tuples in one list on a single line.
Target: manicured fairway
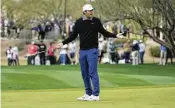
[(122, 86), (162, 97)]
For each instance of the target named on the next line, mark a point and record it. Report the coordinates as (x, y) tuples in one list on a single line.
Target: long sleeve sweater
[(88, 33)]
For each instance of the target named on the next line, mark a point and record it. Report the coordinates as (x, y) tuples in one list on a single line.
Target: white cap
[(64, 46), (140, 41), (32, 42), (100, 39), (135, 42), (87, 7)]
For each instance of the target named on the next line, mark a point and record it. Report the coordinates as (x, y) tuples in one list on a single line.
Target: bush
[(155, 51)]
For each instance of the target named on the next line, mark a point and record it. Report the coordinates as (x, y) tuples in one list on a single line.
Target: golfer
[(87, 27)]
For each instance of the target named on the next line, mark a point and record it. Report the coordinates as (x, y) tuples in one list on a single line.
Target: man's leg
[(85, 72), (161, 57), (17, 60), (92, 57), (44, 59), (171, 58), (29, 60), (141, 57), (9, 62), (61, 58), (164, 57), (41, 59), (137, 57), (14, 62), (133, 58), (33, 59), (126, 57)]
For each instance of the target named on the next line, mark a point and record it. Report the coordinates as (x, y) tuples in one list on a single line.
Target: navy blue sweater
[(88, 33)]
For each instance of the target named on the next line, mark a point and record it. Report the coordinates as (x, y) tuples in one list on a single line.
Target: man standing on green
[(88, 27)]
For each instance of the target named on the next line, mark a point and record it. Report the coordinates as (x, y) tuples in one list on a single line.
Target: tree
[(156, 16)]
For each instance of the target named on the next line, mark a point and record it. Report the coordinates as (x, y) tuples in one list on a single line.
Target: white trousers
[(135, 57), (163, 55)]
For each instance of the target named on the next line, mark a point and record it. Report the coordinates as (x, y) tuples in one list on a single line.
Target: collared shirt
[(15, 49), (32, 49), (141, 47), (85, 18), (51, 51), (9, 53), (163, 48)]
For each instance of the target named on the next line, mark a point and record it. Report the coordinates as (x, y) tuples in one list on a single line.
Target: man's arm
[(70, 38), (104, 32), (45, 48), (6, 52)]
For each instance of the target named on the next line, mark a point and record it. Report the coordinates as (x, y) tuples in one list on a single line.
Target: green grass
[(110, 98), (122, 86), (58, 77), (31, 81)]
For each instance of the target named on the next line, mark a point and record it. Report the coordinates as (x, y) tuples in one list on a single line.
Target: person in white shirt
[(14, 58), (71, 51), (101, 48), (63, 54), (135, 53), (9, 55), (141, 51), (15, 50)]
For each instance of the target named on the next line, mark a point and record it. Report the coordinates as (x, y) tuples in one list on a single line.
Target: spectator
[(70, 30), (72, 50), (42, 31), (112, 51), (32, 51), (127, 51), (115, 28), (141, 51), (51, 51), (101, 49), (48, 28), (14, 58), (63, 54), (125, 31), (42, 51), (163, 54), (135, 53), (56, 29), (15, 50), (169, 55), (9, 55)]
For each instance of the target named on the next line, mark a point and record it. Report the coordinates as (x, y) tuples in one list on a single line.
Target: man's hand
[(120, 35), (59, 45)]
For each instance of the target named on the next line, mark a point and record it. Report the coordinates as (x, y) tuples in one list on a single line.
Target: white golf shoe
[(93, 98), (83, 98)]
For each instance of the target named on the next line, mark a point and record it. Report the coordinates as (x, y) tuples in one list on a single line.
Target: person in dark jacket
[(169, 55), (88, 27), (42, 51), (42, 31), (135, 53)]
